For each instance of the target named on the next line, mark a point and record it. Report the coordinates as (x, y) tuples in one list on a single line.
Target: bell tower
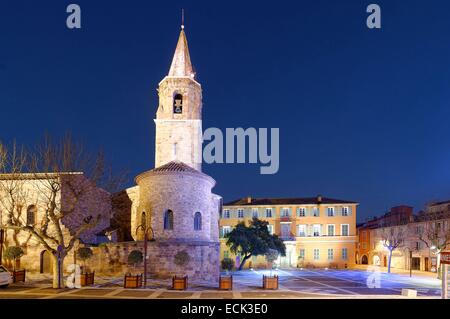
[(179, 116)]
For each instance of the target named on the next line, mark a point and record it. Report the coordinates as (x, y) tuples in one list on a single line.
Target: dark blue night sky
[(363, 114)]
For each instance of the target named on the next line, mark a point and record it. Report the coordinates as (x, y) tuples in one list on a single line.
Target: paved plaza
[(247, 284)]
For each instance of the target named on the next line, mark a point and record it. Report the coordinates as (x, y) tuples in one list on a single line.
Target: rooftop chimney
[(319, 199), (249, 199)]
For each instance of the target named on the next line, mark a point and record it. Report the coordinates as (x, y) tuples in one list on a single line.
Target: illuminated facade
[(317, 231)]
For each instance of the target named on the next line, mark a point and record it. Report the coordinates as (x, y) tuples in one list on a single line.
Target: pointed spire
[(181, 63)]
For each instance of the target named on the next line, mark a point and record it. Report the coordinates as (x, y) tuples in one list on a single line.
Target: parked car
[(5, 277)]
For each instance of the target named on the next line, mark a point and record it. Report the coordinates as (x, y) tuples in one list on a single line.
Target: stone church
[(174, 201)]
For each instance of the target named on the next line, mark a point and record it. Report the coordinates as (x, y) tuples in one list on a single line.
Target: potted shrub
[(87, 277), (181, 259), (13, 253), (271, 282), (134, 281), (226, 282)]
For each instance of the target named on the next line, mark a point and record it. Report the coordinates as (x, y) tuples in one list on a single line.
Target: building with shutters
[(317, 231)]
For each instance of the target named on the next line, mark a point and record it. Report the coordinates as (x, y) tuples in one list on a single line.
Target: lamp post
[(2, 235), (145, 229)]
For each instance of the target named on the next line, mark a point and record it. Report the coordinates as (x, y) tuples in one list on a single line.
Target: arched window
[(143, 220), (198, 221), (168, 220), (178, 104), (31, 215)]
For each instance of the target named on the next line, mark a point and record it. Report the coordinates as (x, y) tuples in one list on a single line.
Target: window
[(226, 213), (198, 221), (330, 230), (344, 230), (240, 212), (31, 215), (330, 253), (316, 254), (270, 228), (168, 220), (178, 104), (285, 212), (225, 230), (316, 230), (302, 212), (345, 211), (315, 211), (330, 211), (418, 245), (255, 212), (301, 254), (344, 254), (269, 212), (301, 231)]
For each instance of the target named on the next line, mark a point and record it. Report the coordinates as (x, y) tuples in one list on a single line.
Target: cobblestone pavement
[(247, 284)]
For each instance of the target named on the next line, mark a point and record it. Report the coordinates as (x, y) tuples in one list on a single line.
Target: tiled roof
[(175, 166), (287, 201)]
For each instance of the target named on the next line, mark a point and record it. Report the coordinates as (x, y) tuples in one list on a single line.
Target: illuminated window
[(225, 230), (269, 212), (316, 230), (270, 228), (301, 230), (226, 213), (285, 212), (255, 212), (316, 212), (302, 254), (330, 253), (316, 254)]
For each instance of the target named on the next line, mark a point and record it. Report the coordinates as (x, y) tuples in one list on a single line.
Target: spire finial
[(182, 18)]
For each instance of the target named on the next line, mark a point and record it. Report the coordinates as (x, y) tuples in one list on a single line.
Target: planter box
[(179, 283), (87, 279), (270, 282), (226, 283), (19, 275), (132, 281)]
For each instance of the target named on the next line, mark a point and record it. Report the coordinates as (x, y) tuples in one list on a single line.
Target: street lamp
[(146, 230)]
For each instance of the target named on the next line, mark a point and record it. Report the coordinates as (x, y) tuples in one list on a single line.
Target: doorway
[(385, 261), (427, 262), (46, 263), (365, 260), (415, 263)]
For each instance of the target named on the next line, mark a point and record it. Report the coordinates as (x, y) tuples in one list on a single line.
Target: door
[(365, 260), (427, 261), (46, 262), (415, 263), (385, 261)]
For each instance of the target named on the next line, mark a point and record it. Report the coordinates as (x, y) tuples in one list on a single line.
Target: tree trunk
[(438, 265), (58, 275), (389, 261), (243, 262)]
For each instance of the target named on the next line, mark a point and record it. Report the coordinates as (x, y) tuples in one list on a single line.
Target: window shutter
[(339, 210), (290, 212), (221, 232), (349, 210), (321, 229), (309, 229), (298, 211)]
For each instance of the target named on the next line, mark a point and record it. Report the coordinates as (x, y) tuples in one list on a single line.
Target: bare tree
[(392, 237), (435, 233), (65, 182)]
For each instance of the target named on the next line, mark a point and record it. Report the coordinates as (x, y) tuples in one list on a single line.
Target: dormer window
[(178, 104)]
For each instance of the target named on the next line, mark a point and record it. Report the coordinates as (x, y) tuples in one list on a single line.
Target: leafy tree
[(227, 264), (253, 240), (135, 257), (13, 253), (84, 253)]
